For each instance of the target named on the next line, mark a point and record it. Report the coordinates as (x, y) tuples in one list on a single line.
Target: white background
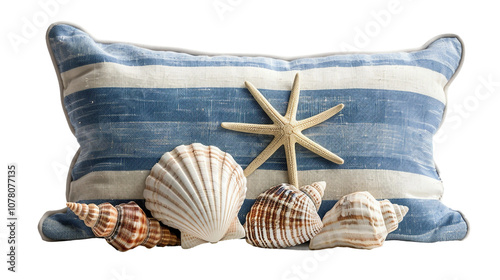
[(35, 134)]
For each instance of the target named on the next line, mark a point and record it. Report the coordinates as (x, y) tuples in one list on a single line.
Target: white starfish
[(286, 130)]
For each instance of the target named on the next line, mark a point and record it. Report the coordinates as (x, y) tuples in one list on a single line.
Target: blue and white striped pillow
[(128, 105)]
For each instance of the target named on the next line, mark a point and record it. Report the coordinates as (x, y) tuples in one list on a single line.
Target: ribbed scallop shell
[(285, 216), (199, 190), (124, 226), (358, 220)]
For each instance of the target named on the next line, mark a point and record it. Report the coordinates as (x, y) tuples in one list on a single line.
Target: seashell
[(124, 226), (199, 190), (285, 216), (358, 220)]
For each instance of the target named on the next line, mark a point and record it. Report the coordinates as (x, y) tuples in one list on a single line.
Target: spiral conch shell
[(358, 220), (285, 216), (124, 226), (199, 190)]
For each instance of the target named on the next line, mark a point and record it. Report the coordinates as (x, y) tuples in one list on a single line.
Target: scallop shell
[(124, 226), (285, 216), (199, 190), (358, 220)]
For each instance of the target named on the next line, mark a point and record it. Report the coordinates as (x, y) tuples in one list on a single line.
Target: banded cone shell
[(315, 191), (358, 220), (125, 226), (284, 216), (199, 190)]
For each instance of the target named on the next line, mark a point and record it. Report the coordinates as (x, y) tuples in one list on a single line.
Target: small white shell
[(199, 190), (358, 220)]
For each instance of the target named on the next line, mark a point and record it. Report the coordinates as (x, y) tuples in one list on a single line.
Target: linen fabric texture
[(128, 105)]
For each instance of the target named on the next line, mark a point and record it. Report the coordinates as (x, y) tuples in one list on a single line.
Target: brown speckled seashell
[(285, 216), (125, 226), (358, 220)]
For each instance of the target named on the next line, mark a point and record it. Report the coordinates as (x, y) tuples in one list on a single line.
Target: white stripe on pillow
[(388, 77), (382, 183)]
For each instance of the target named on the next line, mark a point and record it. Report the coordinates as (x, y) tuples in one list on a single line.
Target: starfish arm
[(267, 129), (264, 155), (319, 118), (293, 102), (264, 104), (318, 149), (291, 162)]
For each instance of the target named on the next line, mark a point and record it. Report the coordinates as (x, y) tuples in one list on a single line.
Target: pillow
[(128, 105)]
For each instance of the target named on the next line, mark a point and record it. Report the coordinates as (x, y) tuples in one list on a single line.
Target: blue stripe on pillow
[(73, 48), (428, 220), (102, 105), (129, 129)]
